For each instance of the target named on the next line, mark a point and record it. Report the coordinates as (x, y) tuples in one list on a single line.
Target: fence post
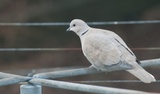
[(30, 89)]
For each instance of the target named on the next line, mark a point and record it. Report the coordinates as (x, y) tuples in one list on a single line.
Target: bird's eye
[(74, 25)]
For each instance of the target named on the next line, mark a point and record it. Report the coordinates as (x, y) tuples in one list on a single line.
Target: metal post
[(30, 89)]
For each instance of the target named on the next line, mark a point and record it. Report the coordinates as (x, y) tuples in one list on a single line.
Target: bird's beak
[(69, 29)]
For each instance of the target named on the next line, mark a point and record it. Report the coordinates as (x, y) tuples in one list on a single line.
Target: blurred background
[(55, 37)]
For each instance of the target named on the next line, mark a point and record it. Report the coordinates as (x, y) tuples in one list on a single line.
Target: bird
[(104, 48)]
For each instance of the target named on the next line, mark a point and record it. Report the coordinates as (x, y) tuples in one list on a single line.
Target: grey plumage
[(104, 48)]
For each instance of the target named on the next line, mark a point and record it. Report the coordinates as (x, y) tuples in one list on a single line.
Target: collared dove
[(104, 48)]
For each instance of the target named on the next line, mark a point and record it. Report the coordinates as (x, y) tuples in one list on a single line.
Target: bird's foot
[(93, 67)]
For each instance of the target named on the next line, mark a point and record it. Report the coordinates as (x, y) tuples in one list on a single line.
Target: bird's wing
[(127, 54), (100, 49), (119, 41)]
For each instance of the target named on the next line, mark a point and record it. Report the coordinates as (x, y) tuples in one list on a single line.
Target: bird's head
[(78, 26)]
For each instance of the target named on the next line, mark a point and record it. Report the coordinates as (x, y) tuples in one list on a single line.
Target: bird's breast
[(94, 52)]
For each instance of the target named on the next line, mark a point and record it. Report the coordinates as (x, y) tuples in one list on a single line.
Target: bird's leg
[(93, 67)]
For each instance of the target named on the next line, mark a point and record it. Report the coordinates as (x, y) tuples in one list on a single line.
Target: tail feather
[(142, 74)]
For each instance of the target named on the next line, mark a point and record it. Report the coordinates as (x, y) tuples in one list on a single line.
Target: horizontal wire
[(125, 22), (65, 49), (36, 24), (147, 48), (90, 23), (113, 81), (39, 49)]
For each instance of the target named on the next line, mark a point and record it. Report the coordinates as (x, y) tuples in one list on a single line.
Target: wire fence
[(66, 24), (35, 81)]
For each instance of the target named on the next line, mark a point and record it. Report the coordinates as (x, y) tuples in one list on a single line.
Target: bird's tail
[(142, 74)]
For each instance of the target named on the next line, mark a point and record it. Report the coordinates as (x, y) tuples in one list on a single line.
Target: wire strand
[(114, 81), (39, 49), (69, 49), (90, 23)]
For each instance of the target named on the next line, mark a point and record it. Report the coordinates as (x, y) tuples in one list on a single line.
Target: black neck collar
[(84, 32)]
